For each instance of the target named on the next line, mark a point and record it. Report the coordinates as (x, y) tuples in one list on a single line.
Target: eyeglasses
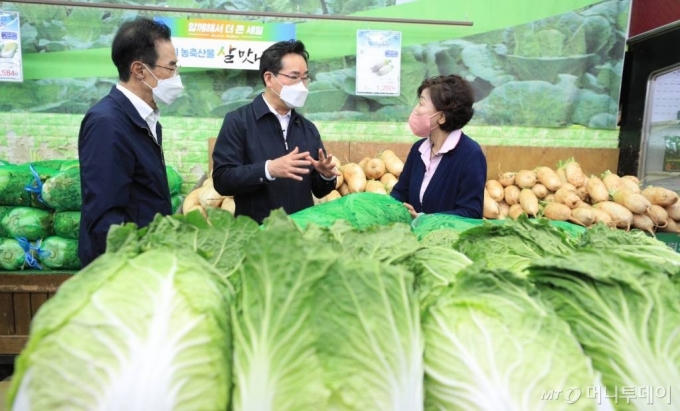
[(174, 71), (297, 79)]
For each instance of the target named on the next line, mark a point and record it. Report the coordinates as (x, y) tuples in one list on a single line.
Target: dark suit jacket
[(122, 172), (457, 187), (249, 137)]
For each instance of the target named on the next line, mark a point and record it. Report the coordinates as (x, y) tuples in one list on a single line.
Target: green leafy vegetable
[(623, 310), (12, 254), (220, 240), (514, 244), (276, 366), (361, 210), (151, 332), (67, 224), (62, 191), (27, 222), (59, 253), (634, 243), (491, 345), (370, 343), (174, 179)]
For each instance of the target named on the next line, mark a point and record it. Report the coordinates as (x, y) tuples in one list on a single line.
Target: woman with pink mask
[(445, 171)]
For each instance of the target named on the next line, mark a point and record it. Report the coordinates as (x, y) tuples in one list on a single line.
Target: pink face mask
[(420, 125)]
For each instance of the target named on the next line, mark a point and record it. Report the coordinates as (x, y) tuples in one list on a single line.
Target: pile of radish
[(205, 197), (376, 175), (567, 194), (372, 174)]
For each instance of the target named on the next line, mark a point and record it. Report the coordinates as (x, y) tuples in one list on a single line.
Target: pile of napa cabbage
[(189, 314)]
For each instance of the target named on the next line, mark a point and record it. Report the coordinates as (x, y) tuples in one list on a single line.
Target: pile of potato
[(205, 197), (374, 175), (567, 194)]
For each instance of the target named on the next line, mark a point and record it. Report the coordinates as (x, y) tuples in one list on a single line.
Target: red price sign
[(387, 88)]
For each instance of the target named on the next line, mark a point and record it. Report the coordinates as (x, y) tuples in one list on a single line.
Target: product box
[(671, 239)]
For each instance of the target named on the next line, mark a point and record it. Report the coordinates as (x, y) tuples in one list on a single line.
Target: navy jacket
[(122, 172), (457, 187), (249, 137)]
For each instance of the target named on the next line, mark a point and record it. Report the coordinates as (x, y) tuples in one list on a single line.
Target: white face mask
[(166, 90), (294, 96)]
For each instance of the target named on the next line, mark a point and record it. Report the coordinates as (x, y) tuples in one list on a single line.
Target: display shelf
[(21, 295)]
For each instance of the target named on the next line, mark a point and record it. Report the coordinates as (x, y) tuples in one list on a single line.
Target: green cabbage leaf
[(625, 312), (147, 333), (491, 344)]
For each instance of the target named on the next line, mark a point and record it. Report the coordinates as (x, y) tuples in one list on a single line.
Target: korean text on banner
[(224, 44), (10, 47), (378, 62)]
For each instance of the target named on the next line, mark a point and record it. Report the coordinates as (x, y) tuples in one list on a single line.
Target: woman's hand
[(411, 210)]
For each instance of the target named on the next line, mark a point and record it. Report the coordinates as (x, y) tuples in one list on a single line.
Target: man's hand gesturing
[(325, 165), (293, 165)]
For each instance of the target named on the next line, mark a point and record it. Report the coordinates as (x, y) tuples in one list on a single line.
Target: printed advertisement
[(225, 44), (378, 63), (10, 47)]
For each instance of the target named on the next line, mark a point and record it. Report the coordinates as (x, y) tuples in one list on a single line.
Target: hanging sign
[(378, 63), (10, 47), (223, 43)]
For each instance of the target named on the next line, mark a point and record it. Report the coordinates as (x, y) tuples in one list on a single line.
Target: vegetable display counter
[(21, 294)]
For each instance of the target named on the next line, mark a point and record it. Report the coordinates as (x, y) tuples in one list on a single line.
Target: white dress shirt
[(145, 111), (284, 119)]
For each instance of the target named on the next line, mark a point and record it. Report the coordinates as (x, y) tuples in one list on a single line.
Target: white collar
[(142, 107), (273, 110)]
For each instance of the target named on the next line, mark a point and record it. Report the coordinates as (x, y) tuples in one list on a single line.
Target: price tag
[(10, 47), (378, 63)]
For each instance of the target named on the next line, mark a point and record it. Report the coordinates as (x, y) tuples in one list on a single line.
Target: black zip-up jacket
[(122, 172), (250, 136)]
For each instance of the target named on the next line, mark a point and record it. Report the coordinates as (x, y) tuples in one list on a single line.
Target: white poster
[(378, 63), (10, 47)]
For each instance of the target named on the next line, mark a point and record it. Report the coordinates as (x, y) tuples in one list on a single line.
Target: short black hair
[(453, 96), (271, 58), (136, 40)]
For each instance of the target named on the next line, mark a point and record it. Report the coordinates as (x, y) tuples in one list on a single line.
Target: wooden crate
[(21, 294)]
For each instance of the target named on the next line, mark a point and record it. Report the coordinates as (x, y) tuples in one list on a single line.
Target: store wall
[(647, 15), (646, 56), (545, 74)]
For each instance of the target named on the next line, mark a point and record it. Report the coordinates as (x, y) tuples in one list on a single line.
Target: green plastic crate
[(671, 239)]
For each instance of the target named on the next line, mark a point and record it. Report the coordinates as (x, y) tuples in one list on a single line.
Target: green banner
[(531, 63), (329, 39)]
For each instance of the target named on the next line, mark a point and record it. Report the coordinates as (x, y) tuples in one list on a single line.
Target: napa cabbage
[(220, 240), (150, 332), (318, 327), (491, 344), (276, 366), (625, 311), (369, 341), (512, 245)]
